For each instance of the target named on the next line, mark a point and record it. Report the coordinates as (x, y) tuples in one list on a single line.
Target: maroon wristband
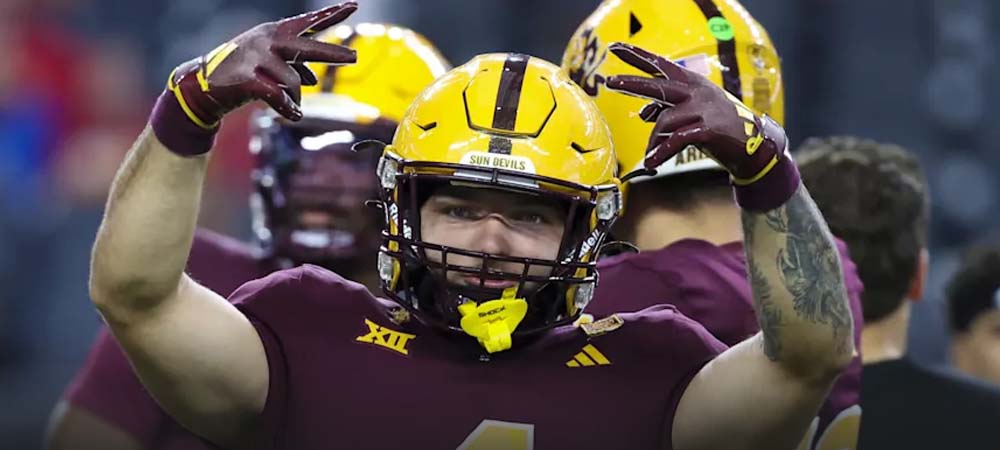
[(771, 191), (176, 131)]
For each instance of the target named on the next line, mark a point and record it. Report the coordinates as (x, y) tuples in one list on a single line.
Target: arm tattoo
[(808, 267), (769, 314), (777, 220)]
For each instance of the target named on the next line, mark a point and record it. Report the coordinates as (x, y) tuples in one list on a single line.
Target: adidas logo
[(590, 356)]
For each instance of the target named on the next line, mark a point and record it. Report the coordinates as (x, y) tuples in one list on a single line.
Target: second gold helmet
[(309, 165), (716, 38), (394, 65)]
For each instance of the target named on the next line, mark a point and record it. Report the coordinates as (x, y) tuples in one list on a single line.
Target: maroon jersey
[(708, 284), (107, 387), (346, 372)]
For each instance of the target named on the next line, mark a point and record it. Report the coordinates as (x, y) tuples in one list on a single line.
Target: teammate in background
[(498, 189), (683, 218), (874, 196), (307, 207), (974, 312)]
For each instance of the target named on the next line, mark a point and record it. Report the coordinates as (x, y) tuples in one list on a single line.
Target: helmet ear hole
[(369, 145)]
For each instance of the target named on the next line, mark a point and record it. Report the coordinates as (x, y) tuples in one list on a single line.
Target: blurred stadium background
[(78, 77)]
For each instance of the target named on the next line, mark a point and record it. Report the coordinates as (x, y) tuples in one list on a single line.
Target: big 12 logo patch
[(585, 57)]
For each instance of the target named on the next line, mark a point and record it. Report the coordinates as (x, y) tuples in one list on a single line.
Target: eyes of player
[(527, 216), (534, 216), (462, 212)]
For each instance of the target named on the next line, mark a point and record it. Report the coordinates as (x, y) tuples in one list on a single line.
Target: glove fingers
[(636, 57), (648, 62), (676, 118), (299, 50), (277, 98), (668, 122), (307, 76), (313, 22), (285, 77), (651, 111), (658, 89), (673, 144)]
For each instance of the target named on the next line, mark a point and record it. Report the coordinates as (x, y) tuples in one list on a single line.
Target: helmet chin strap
[(493, 321)]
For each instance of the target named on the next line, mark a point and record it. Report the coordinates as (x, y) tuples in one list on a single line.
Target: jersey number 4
[(497, 435), (841, 434)]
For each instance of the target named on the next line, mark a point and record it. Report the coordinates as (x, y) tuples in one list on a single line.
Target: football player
[(974, 312), (307, 206), (875, 196), (682, 217), (498, 188)]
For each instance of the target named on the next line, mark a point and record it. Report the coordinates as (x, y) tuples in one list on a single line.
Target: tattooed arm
[(762, 392), (799, 296)]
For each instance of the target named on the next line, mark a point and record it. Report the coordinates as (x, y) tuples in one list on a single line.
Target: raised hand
[(264, 63), (688, 109)]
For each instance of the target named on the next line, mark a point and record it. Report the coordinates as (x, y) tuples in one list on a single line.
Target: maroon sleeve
[(664, 340), (696, 347), (253, 299), (107, 387), (268, 434), (293, 311)]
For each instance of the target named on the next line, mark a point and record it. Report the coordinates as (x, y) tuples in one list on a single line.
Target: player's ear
[(916, 291)]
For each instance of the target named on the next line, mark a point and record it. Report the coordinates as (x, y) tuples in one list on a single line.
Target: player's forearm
[(798, 290), (144, 240)]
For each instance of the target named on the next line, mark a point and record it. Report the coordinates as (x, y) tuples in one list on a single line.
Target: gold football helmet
[(716, 38), (510, 122)]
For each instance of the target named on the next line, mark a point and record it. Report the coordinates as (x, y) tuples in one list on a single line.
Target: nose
[(492, 236), (315, 219)]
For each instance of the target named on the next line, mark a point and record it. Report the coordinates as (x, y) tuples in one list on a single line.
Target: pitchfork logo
[(586, 56)]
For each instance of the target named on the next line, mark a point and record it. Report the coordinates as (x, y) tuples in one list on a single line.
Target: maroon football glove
[(264, 63), (688, 109)]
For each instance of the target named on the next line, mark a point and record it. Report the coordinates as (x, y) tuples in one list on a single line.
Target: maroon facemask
[(310, 191)]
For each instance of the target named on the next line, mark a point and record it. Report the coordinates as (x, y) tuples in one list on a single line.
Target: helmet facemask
[(308, 188), (306, 170)]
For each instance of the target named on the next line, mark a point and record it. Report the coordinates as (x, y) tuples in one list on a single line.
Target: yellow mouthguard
[(492, 322)]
